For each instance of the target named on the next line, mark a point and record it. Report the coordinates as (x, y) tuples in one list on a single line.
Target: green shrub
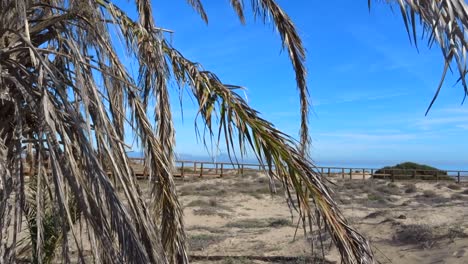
[(408, 168)]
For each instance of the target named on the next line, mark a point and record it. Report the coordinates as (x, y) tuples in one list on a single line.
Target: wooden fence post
[(393, 175), (414, 174), (182, 170), (321, 171), (216, 168), (342, 173), (201, 169), (221, 174), (363, 174), (328, 172), (242, 169), (458, 177), (194, 167), (350, 174), (372, 173)]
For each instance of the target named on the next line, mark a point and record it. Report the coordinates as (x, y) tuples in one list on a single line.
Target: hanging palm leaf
[(66, 96)]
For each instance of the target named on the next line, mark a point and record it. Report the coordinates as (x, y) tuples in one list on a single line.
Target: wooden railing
[(395, 174), (204, 168), (186, 168)]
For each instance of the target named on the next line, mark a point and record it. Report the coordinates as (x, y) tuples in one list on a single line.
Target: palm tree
[(66, 97)]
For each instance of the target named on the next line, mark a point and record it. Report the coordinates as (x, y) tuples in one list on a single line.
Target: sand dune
[(407, 222)]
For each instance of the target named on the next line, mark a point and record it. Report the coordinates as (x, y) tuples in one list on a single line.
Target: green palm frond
[(45, 226)]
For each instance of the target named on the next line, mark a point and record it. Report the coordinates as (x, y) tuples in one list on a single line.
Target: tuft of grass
[(454, 186), (200, 242), (346, 201), (376, 214), (197, 203), (405, 203), (422, 235), (279, 222), (456, 232), (202, 190), (389, 189), (355, 184), (263, 180), (206, 211), (247, 223), (210, 207), (259, 223), (411, 188), (458, 196), (375, 197), (213, 230), (429, 194), (258, 192)]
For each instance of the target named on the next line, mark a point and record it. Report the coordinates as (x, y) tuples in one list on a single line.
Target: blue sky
[(369, 87)]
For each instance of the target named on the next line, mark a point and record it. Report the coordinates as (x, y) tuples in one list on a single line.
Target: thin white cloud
[(447, 118), (464, 127), (454, 110), (358, 97), (352, 136), (447, 122)]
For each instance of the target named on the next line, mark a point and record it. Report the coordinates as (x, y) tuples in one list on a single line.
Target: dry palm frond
[(52, 57), (280, 152), (445, 23), (238, 6), (65, 94), (47, 71), (293, 43)]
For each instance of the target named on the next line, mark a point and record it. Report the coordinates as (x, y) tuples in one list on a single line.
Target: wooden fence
[(395, 174), (187, 168)]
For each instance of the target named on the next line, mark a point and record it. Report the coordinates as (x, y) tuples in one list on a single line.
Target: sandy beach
[(235, 219)]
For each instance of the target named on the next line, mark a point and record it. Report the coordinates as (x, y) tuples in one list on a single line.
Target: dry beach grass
[(235, 219)]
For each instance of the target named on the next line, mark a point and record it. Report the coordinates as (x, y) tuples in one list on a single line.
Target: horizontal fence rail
[(187, 168), (209, 168), (395, 174)]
